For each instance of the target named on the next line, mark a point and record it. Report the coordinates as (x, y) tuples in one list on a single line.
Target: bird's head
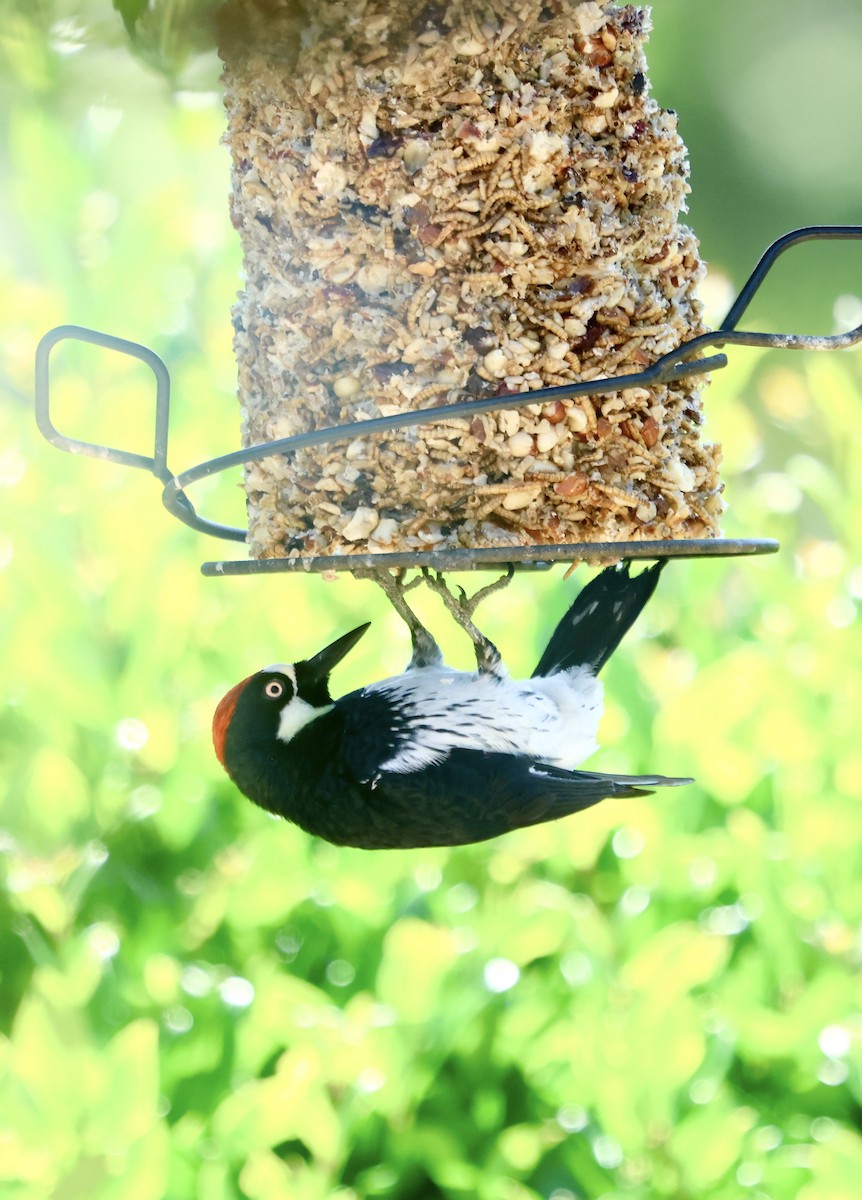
[(277, 702)]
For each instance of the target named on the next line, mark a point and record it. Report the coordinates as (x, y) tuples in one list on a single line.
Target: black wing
[(474, 795)]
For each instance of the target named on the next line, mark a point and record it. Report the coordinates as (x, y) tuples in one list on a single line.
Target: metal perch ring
[(677, 364)]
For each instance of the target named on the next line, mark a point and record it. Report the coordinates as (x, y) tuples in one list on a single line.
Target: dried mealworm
[(415, 308)]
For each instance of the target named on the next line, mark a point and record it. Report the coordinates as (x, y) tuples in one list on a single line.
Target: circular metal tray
[(528, 557)]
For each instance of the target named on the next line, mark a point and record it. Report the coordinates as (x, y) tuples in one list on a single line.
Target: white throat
[(296, 715)]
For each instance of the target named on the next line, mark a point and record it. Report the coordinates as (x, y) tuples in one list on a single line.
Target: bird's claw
[(461, 608), (426, 652)]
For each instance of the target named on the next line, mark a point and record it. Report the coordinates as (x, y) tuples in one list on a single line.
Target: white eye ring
[(274, 690)]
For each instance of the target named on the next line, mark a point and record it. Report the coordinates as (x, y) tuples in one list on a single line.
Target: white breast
[(554, 719)]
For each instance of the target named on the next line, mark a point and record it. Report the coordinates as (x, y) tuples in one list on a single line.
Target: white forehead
[(282, 669)]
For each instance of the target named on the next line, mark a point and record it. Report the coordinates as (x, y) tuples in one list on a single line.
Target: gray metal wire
[(677, 364)]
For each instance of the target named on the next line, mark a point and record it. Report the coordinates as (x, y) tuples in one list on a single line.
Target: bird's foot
[(426, 652), (462, 607)]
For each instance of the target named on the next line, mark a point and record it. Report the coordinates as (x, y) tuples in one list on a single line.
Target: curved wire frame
[(675, 365)]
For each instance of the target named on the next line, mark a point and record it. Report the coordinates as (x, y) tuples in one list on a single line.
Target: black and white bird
[(435, 756)]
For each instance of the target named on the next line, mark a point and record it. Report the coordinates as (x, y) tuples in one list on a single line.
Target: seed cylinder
[(460, 199)]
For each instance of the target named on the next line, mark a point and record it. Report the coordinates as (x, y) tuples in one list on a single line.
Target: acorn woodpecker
[(435, 756)]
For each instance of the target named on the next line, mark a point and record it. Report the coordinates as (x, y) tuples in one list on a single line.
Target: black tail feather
[(559, 792), (599, 619)]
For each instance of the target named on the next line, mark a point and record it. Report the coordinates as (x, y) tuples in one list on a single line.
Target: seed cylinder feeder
[(469, 333), (461, 200)]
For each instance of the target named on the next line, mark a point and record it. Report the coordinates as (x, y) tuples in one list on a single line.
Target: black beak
[(319, 667)]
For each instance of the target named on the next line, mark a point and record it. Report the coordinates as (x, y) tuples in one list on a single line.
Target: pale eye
[(274, 690)]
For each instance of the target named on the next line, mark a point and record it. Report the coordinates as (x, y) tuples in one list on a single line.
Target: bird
[(436, 756)]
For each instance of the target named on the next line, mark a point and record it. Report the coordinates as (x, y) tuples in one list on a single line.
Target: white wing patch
[(554, 719)]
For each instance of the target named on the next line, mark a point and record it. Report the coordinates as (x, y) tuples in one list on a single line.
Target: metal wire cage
[(688, 359)]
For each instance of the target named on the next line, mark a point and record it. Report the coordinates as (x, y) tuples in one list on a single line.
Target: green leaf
[(707, 1143), (131, 11), (126, 1110), (416, 957)]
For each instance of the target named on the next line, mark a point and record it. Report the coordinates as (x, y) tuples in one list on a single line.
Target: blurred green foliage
[(659, 998)]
